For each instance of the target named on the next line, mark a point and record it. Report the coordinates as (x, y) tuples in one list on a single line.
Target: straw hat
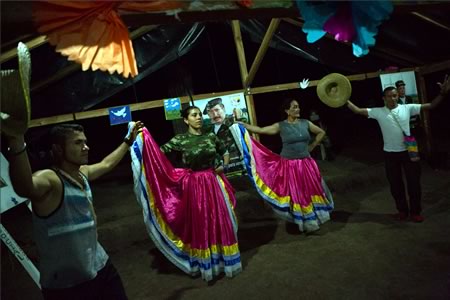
[(334, 90), (15, 101)]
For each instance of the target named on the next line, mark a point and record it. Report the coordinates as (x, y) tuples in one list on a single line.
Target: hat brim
[(15, 92), (334, 90)]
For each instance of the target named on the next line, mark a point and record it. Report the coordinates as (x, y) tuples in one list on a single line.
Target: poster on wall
[(218, 114), (119, 115), (8, 197), (405, 82), (172, 108)]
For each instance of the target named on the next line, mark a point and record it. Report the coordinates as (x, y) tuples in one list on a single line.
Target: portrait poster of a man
[(219, 113)]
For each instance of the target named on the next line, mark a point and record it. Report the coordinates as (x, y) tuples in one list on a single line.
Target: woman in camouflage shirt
[(189, 212)]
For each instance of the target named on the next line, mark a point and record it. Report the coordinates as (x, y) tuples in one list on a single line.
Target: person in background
[(325, 146), (402, 97), (405, 99)]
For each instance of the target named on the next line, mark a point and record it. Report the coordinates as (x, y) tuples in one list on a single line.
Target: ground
[(362, 253)]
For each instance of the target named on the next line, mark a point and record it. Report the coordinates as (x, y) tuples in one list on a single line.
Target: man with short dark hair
[(73, 264), (220, 126), (402, 97), (393, 120)]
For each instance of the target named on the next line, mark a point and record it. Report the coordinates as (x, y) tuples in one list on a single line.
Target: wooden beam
[(105, 111), (430, 20), (261, 51), (75, 67), (51, 120), (236, 27), (249, 101), (185, 99), (432, 68), (36, 42), (425, 119), (13, 42), (139, 19), (56, 77), (279, 87), (419, 6), (243, 68)]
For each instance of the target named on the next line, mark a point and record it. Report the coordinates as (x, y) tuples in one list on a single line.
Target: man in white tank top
[(63, 216)]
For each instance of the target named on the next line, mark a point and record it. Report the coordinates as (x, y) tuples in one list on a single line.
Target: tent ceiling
[(416, 35)]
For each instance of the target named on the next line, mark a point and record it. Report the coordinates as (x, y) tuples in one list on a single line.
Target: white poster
[(401, 80), (8, 198)]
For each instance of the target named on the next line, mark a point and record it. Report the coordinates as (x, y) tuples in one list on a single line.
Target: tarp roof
[(415, 35)]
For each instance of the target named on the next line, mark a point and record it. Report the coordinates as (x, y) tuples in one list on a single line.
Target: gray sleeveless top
[(67, 239), (295, 138)]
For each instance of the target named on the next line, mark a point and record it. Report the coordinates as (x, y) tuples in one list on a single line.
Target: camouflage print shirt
[(224, 134), (198, 151)]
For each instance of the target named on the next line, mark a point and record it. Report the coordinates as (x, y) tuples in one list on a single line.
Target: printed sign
[(405, 79), (172, 108), (219, 113), (8, 197), (119, 115)]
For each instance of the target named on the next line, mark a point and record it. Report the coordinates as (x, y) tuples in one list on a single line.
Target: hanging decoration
[(92, 33), (348, 21)]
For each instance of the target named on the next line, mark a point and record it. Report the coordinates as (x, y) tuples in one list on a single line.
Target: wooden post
[(243, 68), (425, 117), (262, 51)]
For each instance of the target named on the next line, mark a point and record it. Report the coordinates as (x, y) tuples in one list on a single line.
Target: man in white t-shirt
[(393, 120)]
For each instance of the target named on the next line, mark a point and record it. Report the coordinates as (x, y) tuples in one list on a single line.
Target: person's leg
[(110, 284), (413, 172), (393, 166)]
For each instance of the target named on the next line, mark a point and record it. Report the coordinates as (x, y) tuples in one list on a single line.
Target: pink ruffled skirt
[(188, 214)]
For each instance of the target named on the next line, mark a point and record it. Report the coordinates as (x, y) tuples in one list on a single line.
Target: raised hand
[(304, 84), (136, 129), (444, 86)]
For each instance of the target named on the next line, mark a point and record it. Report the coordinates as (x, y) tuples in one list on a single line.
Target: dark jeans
[(107, 285), (395, 162)]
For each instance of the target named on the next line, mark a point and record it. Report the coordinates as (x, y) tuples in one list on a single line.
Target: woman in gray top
[(290, 182)]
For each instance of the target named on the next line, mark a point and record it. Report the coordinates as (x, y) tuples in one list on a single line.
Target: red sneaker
[(417, 218), (401, 216)]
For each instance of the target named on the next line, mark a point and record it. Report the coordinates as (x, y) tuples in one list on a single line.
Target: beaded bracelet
[(19, 151)]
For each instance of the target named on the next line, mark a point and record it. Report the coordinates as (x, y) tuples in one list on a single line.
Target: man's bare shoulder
[(46, 173)]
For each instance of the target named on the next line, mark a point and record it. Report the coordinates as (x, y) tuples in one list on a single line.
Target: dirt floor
[(361, 254)]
